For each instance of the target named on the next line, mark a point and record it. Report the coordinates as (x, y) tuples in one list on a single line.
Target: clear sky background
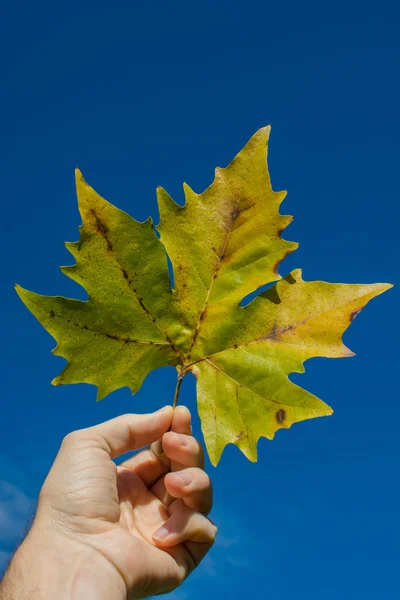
[(157, 93)]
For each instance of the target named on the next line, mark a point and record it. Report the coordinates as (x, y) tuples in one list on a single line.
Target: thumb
[(129, 432)]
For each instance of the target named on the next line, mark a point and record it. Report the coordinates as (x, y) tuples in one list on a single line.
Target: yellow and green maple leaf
[(223, 244)]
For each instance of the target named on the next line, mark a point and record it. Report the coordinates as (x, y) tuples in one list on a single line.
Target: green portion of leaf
[(226, 242), (123, 266), (126, 329), (99, 343), (223, 244)]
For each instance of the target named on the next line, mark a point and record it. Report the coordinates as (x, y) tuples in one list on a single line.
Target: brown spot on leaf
[(287, 328), (235, 346), (101, 228), (52, 313), (240, 436), (278, 262), (280, 416), (354, 314)]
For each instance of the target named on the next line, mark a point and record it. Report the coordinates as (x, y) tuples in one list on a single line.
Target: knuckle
[(206, 479), (131, 431), (201, 477), (176, 580), (198, 453), (196, 447), (44, 493), (210, 532), (71, 437), (205, 529), (214, 531), (83, 438)]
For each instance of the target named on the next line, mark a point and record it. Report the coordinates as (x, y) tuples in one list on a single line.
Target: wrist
[(48, 566)]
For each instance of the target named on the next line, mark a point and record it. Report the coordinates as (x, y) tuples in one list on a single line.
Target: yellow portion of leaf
[(243, 387), (223, 244)]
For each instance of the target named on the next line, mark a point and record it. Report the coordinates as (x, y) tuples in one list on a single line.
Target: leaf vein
[(102, 229), (245, 387), (218, 263)]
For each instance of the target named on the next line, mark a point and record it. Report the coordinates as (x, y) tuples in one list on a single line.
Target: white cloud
[(209, 566), (4, 558), (240, 562), (225, 542), (15, 509)]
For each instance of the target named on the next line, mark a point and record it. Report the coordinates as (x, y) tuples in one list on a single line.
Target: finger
[(181, 421), (183, 449), (180, 424), (186, 525), (129, 432), (193, 486), (195, 551), (148, 466)]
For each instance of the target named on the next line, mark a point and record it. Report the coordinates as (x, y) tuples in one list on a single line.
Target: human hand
[(126, 531)]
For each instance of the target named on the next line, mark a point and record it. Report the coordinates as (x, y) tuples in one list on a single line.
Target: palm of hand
[(142, 513)]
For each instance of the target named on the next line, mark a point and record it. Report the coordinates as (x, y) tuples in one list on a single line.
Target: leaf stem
[(178, 387)]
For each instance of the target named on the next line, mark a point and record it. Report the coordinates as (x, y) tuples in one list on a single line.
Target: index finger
[(181, 421), (151, 464), (180, 424), (130, 432)]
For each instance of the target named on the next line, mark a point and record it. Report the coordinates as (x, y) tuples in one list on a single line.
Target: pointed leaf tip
[(264, 132)]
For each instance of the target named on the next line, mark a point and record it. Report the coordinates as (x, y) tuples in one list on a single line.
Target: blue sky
[(145, 94)]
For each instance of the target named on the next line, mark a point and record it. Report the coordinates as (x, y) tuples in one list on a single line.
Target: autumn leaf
[(223, 244)]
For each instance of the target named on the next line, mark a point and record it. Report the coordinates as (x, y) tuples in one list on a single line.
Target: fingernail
[(161, 533), (182, 439), (185, 477)]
